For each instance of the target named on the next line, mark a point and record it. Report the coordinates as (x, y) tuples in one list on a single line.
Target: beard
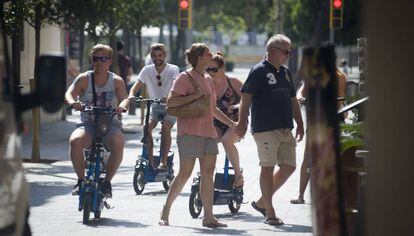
[(158, 62)]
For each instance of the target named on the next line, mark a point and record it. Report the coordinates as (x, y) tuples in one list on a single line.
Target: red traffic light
[(337, 3), (184, 4)]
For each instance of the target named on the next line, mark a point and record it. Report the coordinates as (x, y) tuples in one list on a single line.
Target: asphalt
[(54, 209)]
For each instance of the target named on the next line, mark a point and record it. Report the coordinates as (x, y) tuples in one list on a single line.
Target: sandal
[(214, 224), (297, 201), (259, 209), (274, 221)]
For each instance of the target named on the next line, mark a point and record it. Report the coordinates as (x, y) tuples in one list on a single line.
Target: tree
[(36, 13)]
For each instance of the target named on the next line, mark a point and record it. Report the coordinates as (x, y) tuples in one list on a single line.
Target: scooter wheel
[(234, 207), (139, 181), (195, 204)]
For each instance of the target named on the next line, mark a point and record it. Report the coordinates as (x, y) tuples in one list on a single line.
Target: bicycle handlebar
[(148, 100)]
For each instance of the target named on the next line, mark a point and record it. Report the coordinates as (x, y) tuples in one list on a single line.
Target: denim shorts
[(88, 127), (159, 114), (192, 146)]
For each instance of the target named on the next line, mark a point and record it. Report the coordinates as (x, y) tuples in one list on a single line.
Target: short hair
[(276, 40), (101, 47), (195, 51), (158, 47), (119, 45), (218, 58)]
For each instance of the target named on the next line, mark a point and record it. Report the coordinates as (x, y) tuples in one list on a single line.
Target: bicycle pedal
[(107, 206)]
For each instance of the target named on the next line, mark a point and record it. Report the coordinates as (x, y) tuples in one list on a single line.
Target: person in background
[(228, 98), (124, 63), (158, 78), (305, 167)]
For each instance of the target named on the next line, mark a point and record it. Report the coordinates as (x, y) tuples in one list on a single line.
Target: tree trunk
[(174, 55), (81, 48), (36, 111), (140, 59)]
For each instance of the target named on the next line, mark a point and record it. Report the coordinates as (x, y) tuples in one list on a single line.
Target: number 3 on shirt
[(272, 80)]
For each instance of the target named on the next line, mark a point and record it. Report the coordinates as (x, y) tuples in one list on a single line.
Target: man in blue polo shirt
[(270, 92)]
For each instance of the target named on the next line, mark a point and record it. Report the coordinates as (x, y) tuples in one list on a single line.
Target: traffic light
[(336, 14), (184, 14)]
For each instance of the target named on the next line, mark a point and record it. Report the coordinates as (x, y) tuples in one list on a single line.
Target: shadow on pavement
[(42, 191), (206, 231), (116, 223)]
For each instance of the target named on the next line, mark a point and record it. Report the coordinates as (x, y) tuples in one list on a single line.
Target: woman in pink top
[(228, 98), (196, 137)]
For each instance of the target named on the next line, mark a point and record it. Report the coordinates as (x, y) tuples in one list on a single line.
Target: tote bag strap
[(192, 81)]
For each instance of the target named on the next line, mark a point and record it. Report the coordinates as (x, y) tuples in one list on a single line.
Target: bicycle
[(91, 198), (143, 172), (224, 192)]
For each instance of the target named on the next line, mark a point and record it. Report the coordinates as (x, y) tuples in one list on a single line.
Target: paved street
[(54, 209)]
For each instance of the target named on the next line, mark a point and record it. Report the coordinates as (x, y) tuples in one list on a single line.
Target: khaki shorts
[(192, 146), (276, 147)]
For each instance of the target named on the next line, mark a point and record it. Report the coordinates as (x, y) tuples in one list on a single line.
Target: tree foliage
[(103, 18)]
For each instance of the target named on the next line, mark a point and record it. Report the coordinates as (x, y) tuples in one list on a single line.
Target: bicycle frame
[(95, 165)]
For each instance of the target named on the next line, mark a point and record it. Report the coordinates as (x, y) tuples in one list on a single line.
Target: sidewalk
[(53, 209)]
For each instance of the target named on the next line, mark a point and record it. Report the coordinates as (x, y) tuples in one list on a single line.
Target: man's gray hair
[(276, 40)]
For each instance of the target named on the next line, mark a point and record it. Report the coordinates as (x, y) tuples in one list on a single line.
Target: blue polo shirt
[(272, 91)]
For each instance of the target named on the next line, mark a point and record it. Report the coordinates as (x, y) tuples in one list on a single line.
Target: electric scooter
[(224, 192), (96, 157), (144, 173)]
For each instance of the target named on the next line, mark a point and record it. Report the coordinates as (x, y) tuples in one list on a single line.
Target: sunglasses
[(212, 69), (100, 59), (159, 80), (284, 51)]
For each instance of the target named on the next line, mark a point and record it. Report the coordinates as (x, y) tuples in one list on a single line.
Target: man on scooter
[(105, 89), (158, 77)]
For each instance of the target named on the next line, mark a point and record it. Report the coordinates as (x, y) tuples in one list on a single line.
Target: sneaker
[(106, 189), (76, 188)]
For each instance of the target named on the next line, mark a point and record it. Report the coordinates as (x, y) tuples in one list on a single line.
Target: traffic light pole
[(332, 36)]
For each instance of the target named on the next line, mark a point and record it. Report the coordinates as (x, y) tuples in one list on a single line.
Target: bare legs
[(304, 178), (207, 165), (186, 168), (150, 143), (270, 185), (165, 142), (228, 140), (80, 140)]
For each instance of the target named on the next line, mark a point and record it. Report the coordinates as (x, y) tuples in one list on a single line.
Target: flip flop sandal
[(297, 201), (259, 209), (274, 221)]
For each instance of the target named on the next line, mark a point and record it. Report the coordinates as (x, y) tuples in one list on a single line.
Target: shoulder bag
[(196, 108)]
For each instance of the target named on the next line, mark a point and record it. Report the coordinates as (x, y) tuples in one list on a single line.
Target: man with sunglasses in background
[(158, 78), (270, 91), (102, 88)]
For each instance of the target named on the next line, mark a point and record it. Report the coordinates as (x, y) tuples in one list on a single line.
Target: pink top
[(201, 126)]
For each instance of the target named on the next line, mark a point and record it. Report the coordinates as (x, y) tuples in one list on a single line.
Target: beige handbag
[(196, 108)]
